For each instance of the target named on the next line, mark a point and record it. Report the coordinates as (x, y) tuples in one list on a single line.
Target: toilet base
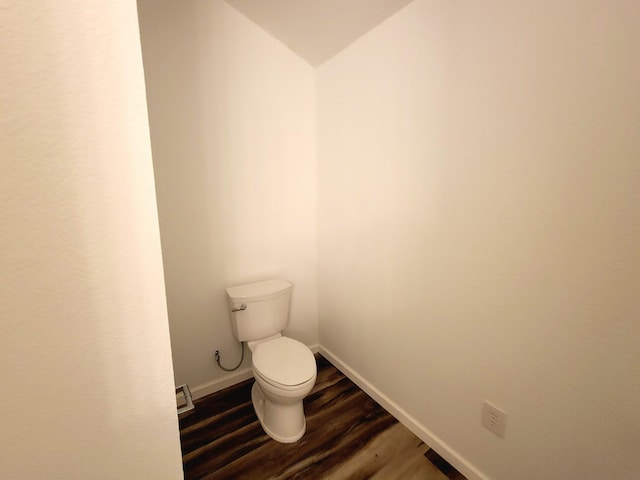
[(284, 423)]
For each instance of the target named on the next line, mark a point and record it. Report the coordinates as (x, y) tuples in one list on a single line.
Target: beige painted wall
[(233, 135), (85, 362), (479, 184)]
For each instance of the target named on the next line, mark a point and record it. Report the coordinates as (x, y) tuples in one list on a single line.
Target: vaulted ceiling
[(317, 29)]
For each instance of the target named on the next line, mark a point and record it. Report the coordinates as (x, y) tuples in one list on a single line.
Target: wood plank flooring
[(349, 436)]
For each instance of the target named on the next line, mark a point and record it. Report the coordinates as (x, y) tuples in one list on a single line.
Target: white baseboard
[(422, 432), (208, 388)]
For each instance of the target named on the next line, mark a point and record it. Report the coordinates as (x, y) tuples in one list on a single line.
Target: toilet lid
[(285, 361)]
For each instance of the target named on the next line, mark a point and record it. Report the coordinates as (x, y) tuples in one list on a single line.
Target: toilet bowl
[(285, 372)]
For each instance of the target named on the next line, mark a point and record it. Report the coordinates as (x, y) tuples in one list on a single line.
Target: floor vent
[(183, 399)]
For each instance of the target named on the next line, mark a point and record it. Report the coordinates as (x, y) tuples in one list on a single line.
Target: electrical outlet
[(494, 419)]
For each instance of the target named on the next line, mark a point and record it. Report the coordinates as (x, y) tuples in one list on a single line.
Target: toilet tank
[(266, 312)]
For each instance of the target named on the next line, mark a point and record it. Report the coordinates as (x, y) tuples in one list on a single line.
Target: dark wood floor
[(349, 436)]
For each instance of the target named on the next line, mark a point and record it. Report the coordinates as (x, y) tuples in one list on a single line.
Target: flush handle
[(240, 308)]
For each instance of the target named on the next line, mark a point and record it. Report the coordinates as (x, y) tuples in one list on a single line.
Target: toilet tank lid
[(259, 290)]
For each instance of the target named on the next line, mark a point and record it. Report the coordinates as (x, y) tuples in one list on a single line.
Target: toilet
[(284, 369)]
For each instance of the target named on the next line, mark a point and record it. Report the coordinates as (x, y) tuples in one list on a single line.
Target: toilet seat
[(283, 389), (284, 363)]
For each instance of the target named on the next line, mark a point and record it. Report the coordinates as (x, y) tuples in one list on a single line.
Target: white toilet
[(285, 369)]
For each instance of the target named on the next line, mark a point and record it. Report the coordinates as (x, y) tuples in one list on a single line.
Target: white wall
[(232, 120), (479, 184), (87, 385)]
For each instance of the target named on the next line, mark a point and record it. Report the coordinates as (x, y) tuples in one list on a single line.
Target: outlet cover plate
[(494, 419)]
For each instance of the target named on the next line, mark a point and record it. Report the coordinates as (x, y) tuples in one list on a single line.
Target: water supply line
[(217, 355)]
